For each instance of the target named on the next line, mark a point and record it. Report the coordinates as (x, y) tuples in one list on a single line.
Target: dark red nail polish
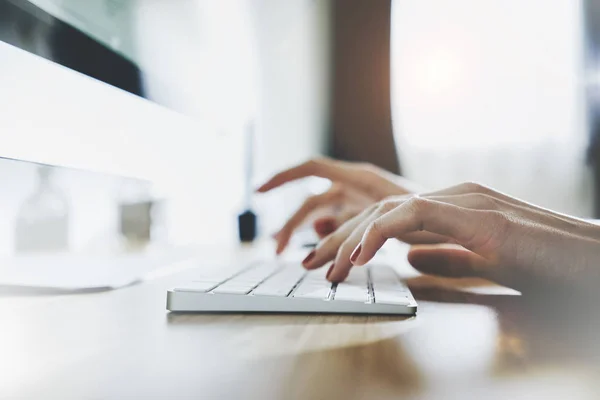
[(329, 225), (356, 253), (309, 257), (325, 227), (329, 271)]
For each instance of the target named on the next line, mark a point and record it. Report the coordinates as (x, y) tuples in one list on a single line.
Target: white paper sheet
[(76, 272)]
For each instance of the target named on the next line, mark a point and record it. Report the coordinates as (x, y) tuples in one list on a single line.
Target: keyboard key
[(317, 275), (390, 298), (385, 278), (387, 287), (255, 275), (349, 292), (357, 276), (389, 278), (232, 289), (218, 276), (314, 286), (313, 293), (280, 283), (272, 291), (200, 287)]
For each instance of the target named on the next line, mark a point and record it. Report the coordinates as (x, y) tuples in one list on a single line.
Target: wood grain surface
[(462, 344)]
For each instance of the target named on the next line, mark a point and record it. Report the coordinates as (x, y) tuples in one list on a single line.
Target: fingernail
[(324, 227), (329, 271), (309, 257), (356, 253)]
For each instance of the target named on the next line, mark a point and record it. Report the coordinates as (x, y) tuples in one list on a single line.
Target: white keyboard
[(289, 288)]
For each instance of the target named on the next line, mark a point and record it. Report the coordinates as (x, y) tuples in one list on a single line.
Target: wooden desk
[(123, 344)]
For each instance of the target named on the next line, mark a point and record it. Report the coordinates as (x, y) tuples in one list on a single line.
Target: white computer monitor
[(52, 115)]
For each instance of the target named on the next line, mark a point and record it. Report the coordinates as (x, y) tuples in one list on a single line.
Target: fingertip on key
[(334, 276), (308, 258), (355, 254), (359, 260), (282, 241), (280, 248), (329, 271)]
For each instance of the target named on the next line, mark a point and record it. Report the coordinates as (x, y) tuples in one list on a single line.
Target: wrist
[(589, 227)]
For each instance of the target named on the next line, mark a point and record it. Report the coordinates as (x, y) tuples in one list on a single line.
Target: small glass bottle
[(43, 219), (135, 214)]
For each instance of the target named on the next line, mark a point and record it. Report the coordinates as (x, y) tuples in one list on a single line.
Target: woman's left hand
[(354, 187)]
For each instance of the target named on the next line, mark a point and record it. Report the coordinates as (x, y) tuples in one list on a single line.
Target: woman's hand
[(492, 236), (354, 187)]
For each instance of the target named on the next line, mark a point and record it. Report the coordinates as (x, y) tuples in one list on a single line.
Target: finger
[(327, 249), (325, 226), (348, 213), (470, 200), (323, 167), (448, 261), (474, 229), (309, 205), (342, 264), (474, 201)]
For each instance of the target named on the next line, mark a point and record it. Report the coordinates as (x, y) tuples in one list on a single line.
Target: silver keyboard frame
[(210, 302)]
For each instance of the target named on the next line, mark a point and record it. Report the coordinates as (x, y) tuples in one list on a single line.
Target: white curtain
[(492, 91)]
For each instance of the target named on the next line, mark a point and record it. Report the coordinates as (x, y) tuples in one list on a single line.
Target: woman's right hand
[(355, 186), (492, 236)]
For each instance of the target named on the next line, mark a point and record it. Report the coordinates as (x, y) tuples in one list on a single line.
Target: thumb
[(448, 260)]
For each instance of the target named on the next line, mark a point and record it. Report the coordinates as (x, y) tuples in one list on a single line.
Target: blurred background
[(503, 93)]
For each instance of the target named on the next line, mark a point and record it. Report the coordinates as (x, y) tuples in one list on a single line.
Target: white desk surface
[(123, 344)]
